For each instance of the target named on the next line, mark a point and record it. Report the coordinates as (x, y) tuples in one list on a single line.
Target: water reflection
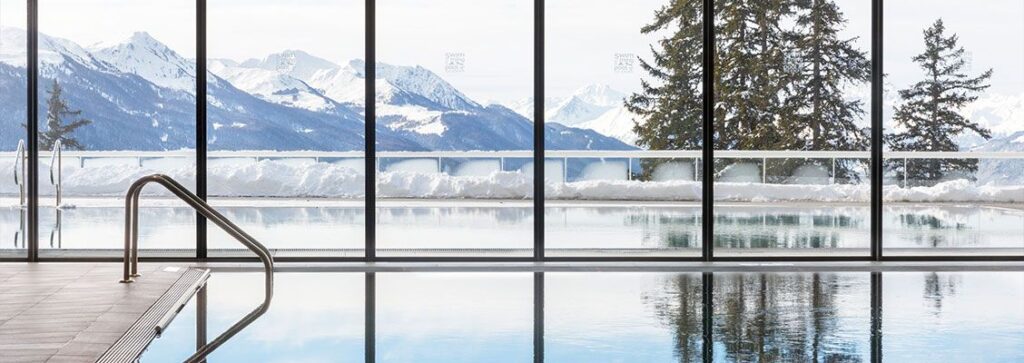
[(614, 317), (792, 317), (739, 229)]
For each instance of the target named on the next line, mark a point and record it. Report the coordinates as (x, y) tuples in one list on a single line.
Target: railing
[(131, 250), (565, 155), (55, 169), (19, 178)]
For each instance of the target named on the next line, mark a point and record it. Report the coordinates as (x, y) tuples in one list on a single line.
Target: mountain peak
[(599, 94), (422, 81), (145, 56), (293, 62)]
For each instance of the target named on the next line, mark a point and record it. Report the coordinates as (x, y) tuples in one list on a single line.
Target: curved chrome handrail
[(131, 249), (55, 160), (19, 179)]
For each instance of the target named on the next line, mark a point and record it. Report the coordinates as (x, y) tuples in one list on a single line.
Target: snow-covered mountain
[(273, 86), (585, 104), (596, 107), (148, 58), (412, 102), (140, 96), (1002, 171), (616, 122)]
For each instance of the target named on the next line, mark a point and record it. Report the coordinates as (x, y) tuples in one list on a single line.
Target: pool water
[(611, 317)]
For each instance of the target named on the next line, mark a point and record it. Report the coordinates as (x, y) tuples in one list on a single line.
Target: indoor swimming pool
[(588, 316)]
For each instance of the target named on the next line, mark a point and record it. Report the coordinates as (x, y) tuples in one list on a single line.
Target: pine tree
[(822, 65), (750, 75), (928, 115), (669, 106), (57, 110)]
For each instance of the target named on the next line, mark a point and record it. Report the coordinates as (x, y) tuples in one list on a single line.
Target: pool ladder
[(21, 171), (131, 250)]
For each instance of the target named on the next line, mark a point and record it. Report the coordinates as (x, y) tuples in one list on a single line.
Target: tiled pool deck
[(73, 312)]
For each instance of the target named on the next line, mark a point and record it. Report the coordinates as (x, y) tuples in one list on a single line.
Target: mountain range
[(595, 107), (140, 95)]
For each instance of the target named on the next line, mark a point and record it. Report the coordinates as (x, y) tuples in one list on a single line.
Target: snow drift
[(271, 178)]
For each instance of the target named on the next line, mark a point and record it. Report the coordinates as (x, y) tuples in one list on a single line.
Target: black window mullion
[(370, 139), (201, 140), (876, 129), (32, 131), (538, 129), (708, 119)]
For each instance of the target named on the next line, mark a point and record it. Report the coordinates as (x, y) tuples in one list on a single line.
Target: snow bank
[(957, 191), (270, 178)]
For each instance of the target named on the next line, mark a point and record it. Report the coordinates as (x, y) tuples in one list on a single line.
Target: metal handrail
[(55, 160), (131, 250), (19, 179)]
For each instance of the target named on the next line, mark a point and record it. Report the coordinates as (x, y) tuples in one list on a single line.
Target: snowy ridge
[(273, 86), (423, 82), (295, 63), (585, 104), (53, 51), (595, 107), (616, 122), (280, 179), (148, 58)]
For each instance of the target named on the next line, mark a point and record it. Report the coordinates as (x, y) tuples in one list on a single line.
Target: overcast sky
[(494, 38)]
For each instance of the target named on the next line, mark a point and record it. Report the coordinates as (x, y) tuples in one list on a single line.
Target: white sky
[(495, 36)]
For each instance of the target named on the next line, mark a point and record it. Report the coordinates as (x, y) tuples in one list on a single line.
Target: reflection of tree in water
[(680, 308), (667, 230), (790, 230), (762, 318), (780, 317), (937, 287), (932, 228)]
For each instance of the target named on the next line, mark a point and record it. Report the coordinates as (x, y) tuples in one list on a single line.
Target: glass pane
[(622, 317), (454, 317), (117, 94), (954, 168), (953, 316), (792, 136), (285, 124), (13, 74), (623, 128), (792, 317), (454, 172)]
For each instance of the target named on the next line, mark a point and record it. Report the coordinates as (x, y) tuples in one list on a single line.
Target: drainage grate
[(137, 338)]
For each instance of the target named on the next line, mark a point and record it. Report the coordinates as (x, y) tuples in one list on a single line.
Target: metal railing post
[(56, 161), (19, 178), (906, 172), (629, 169), (833, 170), (764, 170)]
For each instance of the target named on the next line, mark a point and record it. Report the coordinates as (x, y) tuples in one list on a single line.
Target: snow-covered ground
[(279, 178)]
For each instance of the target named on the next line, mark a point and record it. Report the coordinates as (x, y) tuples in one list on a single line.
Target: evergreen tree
[(750, 75), (669, 106), (57, 110), (928, 117), (822, 64)]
